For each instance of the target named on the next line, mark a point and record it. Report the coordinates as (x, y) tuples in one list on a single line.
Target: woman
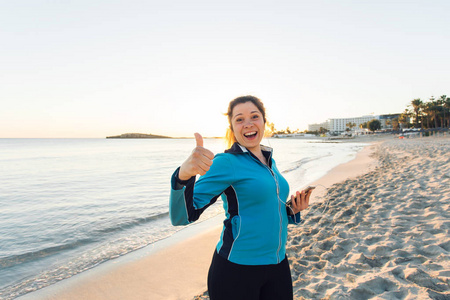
[(250, 258)]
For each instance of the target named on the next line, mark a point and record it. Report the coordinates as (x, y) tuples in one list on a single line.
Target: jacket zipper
[(278, 198)]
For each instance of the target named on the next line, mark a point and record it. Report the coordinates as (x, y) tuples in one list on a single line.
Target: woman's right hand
[(198, 162)]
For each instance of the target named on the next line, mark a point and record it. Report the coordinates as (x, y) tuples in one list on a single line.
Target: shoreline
[(157, 271)]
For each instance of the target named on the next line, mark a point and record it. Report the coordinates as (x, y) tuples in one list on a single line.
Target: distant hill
[(138, 136)]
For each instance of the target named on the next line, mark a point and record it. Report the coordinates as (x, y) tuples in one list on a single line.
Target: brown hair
[(230, 139)]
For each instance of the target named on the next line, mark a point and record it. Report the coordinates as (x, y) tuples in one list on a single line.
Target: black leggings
[(227, 280)]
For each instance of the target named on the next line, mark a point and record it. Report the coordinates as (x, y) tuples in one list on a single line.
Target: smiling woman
[(247, 118), (249, 261)]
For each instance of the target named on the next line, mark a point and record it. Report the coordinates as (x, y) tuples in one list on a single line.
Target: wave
[(132, 223), (96, 235), (299, 163), (42, 253)]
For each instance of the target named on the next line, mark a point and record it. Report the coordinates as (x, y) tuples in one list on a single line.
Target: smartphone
[(308, 188)]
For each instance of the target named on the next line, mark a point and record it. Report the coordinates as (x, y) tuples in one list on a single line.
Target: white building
[(340, 125)]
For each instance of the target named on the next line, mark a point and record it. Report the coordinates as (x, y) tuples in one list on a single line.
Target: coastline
[(174, 268), (177, 267)]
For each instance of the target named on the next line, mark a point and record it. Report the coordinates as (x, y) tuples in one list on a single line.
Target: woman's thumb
[(198, 139)]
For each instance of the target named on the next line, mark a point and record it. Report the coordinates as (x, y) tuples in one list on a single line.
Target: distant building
[(339, 125), (316, 127), (386, 120)]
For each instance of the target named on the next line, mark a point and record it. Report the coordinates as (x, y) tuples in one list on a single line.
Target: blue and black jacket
[(254, 198)]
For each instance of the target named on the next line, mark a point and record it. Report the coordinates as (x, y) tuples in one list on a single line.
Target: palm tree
[(447, 107), (323, 130), (441, 102), (417, 105), (350, 125), (434, 107), (428, 110), (270, 128), (404, 117), (395, 124)]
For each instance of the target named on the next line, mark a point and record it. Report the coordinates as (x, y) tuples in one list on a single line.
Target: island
[(138, 136)]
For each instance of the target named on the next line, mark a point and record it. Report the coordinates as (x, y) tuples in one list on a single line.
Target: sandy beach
[(382, 235), (378, 228)]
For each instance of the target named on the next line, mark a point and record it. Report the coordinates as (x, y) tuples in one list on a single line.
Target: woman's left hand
[(300, 201)]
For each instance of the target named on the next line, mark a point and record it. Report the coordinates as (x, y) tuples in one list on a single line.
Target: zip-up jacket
[(254, 199)]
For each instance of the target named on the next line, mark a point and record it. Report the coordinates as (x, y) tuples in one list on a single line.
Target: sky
[(94, 68)]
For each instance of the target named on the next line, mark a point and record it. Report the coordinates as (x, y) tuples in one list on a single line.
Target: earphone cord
[(292, 211), (326, 204)]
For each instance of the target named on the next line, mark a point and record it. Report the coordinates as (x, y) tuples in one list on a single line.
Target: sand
[(378, 228), (382, 235)]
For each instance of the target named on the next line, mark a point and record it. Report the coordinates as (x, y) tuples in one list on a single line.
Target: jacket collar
[(236, 148)]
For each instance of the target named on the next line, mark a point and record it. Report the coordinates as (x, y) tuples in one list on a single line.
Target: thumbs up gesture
[(198, 162)]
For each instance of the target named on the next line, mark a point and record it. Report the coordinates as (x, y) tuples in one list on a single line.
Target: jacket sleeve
[(295, 219), (188, 199)]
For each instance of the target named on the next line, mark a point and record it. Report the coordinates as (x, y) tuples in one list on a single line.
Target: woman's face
[(248, 125)]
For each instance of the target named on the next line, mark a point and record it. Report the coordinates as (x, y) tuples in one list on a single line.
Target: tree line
[(428, 114), (434, 113), (271, 130), (431, 114)]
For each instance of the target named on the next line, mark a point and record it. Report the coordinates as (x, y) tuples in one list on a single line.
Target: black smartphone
[(308, 188)]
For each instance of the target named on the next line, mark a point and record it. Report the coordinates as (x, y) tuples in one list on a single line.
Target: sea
[(68, 205)]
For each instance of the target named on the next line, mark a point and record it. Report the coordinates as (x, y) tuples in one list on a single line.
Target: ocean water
[(67, 205)]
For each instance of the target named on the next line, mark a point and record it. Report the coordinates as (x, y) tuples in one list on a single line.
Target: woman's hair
[(230, 139)]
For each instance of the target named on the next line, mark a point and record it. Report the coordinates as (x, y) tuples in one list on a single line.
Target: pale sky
[(91, 68)]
